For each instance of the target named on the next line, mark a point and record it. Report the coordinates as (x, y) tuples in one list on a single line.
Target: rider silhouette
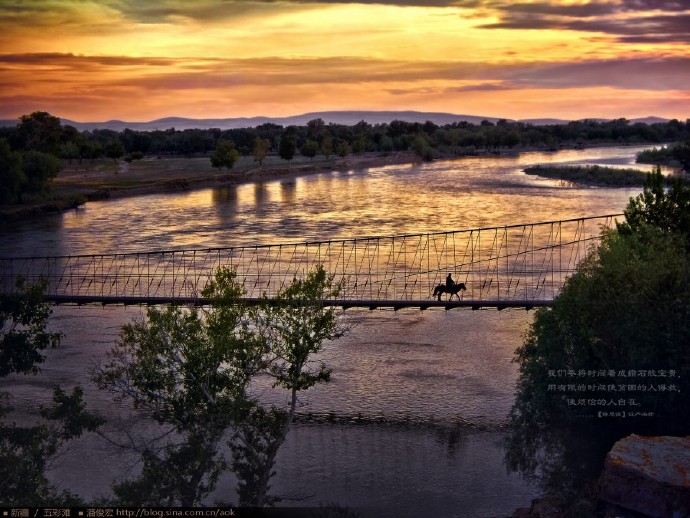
[(449, 281)]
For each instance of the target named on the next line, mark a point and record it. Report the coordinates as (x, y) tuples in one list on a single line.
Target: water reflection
[(225, 195), (261, 194), (288, 191), (225, 202)]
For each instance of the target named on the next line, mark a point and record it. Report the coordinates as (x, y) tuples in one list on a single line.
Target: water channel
[(420, 397)]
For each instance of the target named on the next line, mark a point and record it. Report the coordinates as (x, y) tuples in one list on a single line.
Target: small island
[(594, 175)]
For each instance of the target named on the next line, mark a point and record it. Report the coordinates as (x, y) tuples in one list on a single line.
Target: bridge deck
[(343, 303)]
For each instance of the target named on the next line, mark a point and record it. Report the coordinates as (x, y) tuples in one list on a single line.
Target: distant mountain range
[(338, 117)]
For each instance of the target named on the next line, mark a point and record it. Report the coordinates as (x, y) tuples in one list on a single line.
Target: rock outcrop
[(648, 475)]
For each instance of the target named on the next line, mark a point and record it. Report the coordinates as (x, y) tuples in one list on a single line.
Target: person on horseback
[(449, 281)]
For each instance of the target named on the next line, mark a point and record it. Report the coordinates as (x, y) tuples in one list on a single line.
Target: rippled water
[(450, 370)]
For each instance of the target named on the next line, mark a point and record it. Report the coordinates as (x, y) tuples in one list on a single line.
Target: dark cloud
[(587, 10), (642, 73), (652, 23), (655, 5), (156, 73), (156, 11), (77, 61), (649, 74), (486, 87)]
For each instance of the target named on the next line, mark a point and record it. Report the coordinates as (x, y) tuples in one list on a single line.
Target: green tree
[(225, 155), (668, 211), (309, 149), (25, 451), (12, 177), (294, 326), (681, 152), (260, 151), (40, 131), (69, 151), (421, 147), (316, 129), (192, 369), (327, 147), (288, 145), (627, 308), (39, 169), (114, 149), (342, 149)]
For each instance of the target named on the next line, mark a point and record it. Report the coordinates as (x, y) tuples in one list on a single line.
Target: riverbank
[(78, 183), (103, 179)]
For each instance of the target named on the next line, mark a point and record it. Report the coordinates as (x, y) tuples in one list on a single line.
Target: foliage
[(591, 175), (288, 145), (294, 326), (665, 210), (40, 131), (69, 150), (327, 147), (627, 308), (342, 149), (260, 151), (186, 369), (309, 149), (681, 152), (192, 371), (421, 147), (656, 156), (12, 176), (39, 169), (27, 172), (23, 322), (114, 149), (678, 153), (225, 155), (26, 450)]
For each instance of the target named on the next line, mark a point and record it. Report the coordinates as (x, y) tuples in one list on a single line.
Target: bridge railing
[(517, 262)]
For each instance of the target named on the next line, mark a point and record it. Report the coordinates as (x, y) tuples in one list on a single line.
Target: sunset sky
[(140, 60)]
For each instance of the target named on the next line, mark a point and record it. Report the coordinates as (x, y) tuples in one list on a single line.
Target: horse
[(451, 290)]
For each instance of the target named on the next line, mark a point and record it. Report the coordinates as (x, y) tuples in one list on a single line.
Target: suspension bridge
[(522, 265)]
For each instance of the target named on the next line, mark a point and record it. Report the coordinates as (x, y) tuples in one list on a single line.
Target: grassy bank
[(591, 175)]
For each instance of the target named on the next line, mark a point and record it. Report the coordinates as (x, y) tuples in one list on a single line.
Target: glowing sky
[(139, 60)]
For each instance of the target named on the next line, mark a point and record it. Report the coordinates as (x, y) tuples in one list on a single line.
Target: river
[(421, 396)]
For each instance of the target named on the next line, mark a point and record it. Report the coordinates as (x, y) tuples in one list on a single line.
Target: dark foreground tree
[(294, 327), (681, 152), (25, 451), (191, 369), (40, 131), (39, 169), (12, 177), (611, 357)]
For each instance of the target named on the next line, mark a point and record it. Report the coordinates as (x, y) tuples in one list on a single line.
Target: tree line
[(31, 153)]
